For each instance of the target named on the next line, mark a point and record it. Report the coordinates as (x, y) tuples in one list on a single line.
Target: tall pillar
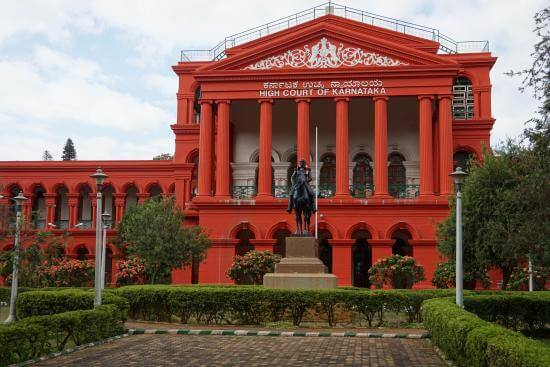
[(120, 201), (223, 171), (381, 147), (302, 135), (205, 149), (73, 210), (93, 202), (342, 261), (445, 145), (342, 148), (50, 208), (264, 161), (425, 146)]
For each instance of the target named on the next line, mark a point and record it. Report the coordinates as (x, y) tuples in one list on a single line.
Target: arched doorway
[(327, 176), (244, 236), (401, 246), (281, 236), (82, 253), (325, 249), (362, 258)]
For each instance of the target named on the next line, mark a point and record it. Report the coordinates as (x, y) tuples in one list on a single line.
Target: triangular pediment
[(329, 43), (325, 53)]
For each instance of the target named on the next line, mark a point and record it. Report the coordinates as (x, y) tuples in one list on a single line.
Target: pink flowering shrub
[(252, 266), (519, 280), (130, 271), (400, 272), (66, 272)]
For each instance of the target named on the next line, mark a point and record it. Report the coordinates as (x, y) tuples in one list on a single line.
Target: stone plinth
[(301, 268)]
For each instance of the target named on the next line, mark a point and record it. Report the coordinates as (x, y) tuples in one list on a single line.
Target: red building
[(395, 105)]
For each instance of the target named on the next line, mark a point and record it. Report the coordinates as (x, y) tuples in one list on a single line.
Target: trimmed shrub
[(470, 341), (39, 303), (39, 335), (252, 266), (526, 312)]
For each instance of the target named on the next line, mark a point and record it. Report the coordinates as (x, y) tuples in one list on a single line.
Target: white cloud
[(58, 87), (164, 85)]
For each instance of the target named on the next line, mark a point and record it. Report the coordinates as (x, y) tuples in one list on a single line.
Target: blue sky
[(100, 71)]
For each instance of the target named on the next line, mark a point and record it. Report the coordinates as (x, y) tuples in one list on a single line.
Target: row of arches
[(362, 258), (53, 208)]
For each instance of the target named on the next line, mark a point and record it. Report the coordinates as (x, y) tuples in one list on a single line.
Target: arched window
[(82, 253), (327, 176), (194, 176), (397, 175), (85, 207), (62, 208), (244, 246), (155, 191), (461, 159), (197, 106), (109, 203), (131, 197), (39, 207), (463, 99), (362, 176)]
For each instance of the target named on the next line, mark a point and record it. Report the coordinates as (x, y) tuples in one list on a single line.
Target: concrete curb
[(235, 332), (70, 350)]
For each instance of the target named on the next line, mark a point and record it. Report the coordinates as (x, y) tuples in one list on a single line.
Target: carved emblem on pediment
[(324, 54)]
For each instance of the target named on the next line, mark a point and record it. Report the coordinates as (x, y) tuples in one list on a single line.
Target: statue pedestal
[(301, 268)]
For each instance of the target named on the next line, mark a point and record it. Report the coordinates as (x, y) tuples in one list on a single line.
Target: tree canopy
[(154, 232), (69, 151), (46, 156)]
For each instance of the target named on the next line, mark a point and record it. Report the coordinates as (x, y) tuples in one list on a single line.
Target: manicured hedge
[(528, 312), (470, 341), (38, 303), (39, 335), (258, 305)]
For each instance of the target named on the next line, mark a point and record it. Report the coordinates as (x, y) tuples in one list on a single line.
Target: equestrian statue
[(301, 198)]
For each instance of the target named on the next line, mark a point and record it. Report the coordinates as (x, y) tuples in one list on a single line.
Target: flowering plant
[(519, 280), (400, 272), (445, 277), (66, 272), (130, 271), (252, 266)]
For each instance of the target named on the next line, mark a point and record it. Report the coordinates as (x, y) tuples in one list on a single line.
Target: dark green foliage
[(39, 303), (258, 305), (445, 277), (470, 341), (154, 233), (39, 335), (69, 151), (526, 312)]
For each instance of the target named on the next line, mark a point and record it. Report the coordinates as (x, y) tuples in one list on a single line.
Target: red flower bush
[(67, 272), (401, 272), (252, 266), (130, 271)]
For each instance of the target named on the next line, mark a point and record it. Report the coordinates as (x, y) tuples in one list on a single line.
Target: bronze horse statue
[(302, 198)]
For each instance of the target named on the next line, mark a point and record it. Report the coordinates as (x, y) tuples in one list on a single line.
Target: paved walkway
[(250, 351)]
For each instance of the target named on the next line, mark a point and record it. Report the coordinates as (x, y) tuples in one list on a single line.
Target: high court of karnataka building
[(397, 107)]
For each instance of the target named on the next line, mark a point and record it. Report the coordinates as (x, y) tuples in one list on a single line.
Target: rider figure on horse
[(302, 169)]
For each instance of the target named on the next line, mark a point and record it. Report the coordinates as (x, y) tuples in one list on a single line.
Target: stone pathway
[(218, 350)]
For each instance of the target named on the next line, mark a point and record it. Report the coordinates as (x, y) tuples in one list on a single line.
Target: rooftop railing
[(446, 44)]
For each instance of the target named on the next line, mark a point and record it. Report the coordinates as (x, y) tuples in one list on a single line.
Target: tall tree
[(46, 156), (154, 232), (69, 151)]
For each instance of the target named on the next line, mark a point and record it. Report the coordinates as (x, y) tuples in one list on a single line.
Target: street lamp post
[(99, 176), (19, 200), (106, 216), (458, 177)]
